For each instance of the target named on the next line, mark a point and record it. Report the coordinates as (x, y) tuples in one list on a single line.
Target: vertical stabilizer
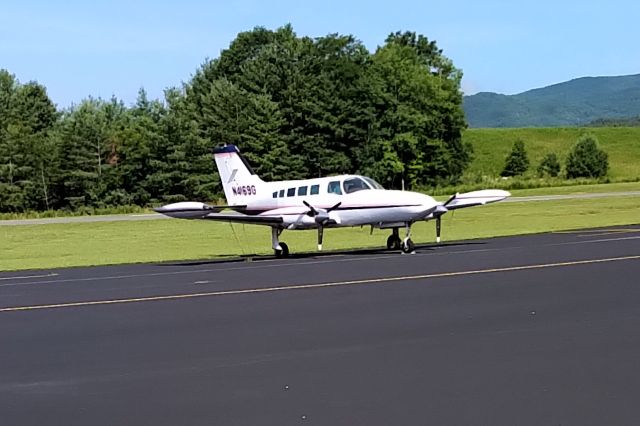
[(239, 181)]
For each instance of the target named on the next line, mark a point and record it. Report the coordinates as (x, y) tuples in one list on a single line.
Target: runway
[(528, 330)]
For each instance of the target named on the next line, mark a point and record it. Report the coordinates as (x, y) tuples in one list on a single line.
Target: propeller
[(439, 212), (321, 217), (453, 197)]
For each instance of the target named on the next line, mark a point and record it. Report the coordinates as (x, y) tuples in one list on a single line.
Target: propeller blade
[(320, 235), (438, 226), (453, 197), (334, 207), (312, 210)]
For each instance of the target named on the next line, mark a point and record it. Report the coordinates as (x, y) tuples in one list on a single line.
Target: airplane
[(326, 202)]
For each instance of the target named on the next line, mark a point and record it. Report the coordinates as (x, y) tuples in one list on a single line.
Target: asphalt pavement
[(528, 330)]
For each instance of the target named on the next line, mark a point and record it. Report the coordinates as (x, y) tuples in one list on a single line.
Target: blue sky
[(104, 48)]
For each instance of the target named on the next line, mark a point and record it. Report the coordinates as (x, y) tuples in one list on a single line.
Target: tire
[(408, 246), (282, 253), (393, 242)]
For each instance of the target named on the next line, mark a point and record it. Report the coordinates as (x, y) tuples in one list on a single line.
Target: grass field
[(80, 244), (491, 147)]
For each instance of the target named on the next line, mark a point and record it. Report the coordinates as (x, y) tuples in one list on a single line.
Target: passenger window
[(275, 194), (315, 189), (291, 192), (302, 190), (281, 193), (334, 188)]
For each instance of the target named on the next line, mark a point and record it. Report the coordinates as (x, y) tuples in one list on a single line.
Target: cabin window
[(275, 194), (334, 187), (302, 190), (315, 189), (354, 185), (281, 193), (291, 192)]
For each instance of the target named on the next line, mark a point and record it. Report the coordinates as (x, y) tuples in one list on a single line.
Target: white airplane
[(336, 201)]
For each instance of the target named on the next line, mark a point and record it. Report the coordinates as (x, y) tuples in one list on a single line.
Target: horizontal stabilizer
[(476, 198)]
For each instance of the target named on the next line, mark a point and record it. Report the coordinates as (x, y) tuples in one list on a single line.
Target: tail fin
[(239, 181)]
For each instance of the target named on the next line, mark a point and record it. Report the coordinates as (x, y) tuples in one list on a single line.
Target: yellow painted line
[(25, 277), (315, 286)]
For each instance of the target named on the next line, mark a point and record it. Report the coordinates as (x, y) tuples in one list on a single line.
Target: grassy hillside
[(572, 103), (491, 146)]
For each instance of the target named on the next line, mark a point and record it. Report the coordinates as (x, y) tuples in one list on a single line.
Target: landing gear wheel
[(284, 252), (393, 242), (408, 246)]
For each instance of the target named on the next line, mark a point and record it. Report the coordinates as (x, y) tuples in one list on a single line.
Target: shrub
[(549, 166), (587, 159), (517, 161)]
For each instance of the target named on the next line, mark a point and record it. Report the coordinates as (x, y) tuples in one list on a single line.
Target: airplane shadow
[(316, 255)]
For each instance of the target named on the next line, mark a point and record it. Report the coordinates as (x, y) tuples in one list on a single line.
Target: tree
[(189, 163), (549, 166), (517, 162), (136, 159), (419, 112), (27, 157), (342, 109), (297, 107), (587, 159), (90, 135)]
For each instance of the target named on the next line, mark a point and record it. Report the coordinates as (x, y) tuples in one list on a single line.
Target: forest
[(296, 106)]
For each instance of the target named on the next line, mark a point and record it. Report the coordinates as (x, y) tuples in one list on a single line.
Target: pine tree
[(517, 161), (27, 158), (549, 166), (587, 159)]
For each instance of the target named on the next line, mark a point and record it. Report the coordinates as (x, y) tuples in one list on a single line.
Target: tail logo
[(233, 176)]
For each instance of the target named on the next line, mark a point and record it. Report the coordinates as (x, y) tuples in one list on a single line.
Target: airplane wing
[(245, 218), (196, 210), (475, 198)]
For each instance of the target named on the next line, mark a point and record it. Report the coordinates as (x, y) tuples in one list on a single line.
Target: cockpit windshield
[(372, 183), (354, 184)]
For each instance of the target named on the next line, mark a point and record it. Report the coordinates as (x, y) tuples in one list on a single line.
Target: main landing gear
[(279, 248), (394, 241), (406, 245)]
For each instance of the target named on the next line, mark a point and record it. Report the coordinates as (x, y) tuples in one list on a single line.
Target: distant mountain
[(576, 102)]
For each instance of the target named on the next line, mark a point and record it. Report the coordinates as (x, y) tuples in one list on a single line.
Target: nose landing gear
[(408, 246), (280, 249), (395, 243)]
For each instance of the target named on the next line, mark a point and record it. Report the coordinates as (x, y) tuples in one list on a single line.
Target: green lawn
[(78, 244), (491, 147)]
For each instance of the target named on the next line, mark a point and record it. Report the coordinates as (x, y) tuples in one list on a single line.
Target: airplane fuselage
[(367, 203)]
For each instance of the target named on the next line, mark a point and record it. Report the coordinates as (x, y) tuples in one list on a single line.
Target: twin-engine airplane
[(329, 202)]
